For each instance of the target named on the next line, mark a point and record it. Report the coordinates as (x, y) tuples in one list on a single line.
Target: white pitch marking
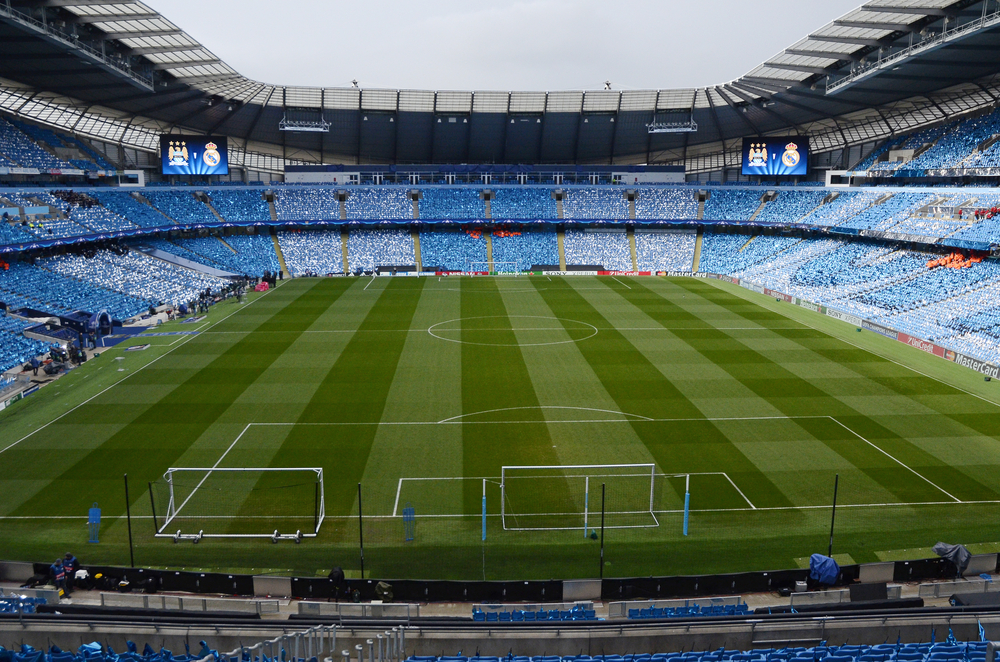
[(217, 463), (450, 421), (738, 490), (913, 471), (902, 504), (619, 282), (187, 338), (430, 330), (370, 282), (491, 411), (870, 351)]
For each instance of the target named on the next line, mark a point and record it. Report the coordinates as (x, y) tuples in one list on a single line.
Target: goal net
[(279, 503), (495, 268), (567, 497)]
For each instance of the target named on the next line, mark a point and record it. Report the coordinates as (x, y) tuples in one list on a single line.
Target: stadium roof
[(884, 58)]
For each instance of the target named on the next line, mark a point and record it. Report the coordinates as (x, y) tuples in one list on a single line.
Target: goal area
[(191, 503), (569, 497)]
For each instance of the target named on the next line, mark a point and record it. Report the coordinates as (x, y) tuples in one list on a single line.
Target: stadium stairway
[(215, 212), (489, 209), (697, 249), (701, 210), (415, 235), (226, 244), (277, 250), (759, 209), (489, 251), (343, 249), (749, 241), (561, 242), (630, 232), (274, 212)]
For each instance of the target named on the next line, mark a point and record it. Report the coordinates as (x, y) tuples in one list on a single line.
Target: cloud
[(513, 45)]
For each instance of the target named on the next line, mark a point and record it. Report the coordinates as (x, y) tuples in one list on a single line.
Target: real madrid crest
[(791, 156), (211, 155)]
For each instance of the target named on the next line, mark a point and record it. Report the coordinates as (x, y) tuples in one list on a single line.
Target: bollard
[(371, 650), (402, 643), (346, 655), (358, 648), (381, 651), (389, 652)]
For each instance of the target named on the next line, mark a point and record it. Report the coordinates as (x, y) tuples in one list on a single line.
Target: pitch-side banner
[(194, 155)]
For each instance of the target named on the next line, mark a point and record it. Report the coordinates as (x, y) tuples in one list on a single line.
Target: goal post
[(280, 503), (495, 268), (558, 497)]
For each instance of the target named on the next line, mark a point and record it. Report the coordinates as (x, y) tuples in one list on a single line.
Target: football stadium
[(707, 370)]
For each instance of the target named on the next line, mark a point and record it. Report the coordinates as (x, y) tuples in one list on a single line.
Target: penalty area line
[(899, 462)]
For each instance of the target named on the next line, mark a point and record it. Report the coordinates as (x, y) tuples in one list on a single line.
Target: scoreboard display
[(776, 156), (194, 155)]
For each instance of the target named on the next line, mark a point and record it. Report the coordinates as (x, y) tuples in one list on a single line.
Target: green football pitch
[(422, 390)]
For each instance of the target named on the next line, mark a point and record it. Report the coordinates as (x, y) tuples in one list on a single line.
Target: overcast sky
[(499, 44)]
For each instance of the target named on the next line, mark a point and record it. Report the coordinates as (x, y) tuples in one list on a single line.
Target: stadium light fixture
[(689, 126)]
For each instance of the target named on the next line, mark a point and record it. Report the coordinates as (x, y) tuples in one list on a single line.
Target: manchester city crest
[(211, 155), (177, 153), (791, 156), (757, 157)]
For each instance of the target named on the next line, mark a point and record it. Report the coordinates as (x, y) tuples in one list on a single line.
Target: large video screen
[(194, 155), (776, 156)]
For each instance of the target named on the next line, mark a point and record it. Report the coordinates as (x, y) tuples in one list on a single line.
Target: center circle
[(537, 330)]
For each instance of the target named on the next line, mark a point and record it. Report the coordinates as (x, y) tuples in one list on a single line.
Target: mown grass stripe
[(354, 390), (794, 395), (639, 387), (160, 433), (496, 377)]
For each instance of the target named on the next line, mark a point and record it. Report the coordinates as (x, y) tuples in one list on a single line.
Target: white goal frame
[(644, 469), (174, 509), (486, 264)]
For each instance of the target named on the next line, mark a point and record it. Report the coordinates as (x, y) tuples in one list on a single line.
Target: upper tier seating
[(845, 206), (889, 213), (523, 203), (241, 205), (306, 204), (608, 249), (21, 149), (525, 249), (666, 203), (453, 251), (370, 249), (595, 203), (732, 205), (953, 147), (381, 203), (181, 206), (312, 252), (664, 251), (449, 203), (123, 204), (790, 206)]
